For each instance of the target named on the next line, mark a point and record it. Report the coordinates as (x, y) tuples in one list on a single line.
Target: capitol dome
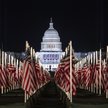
[(51, 39), (51, 32)]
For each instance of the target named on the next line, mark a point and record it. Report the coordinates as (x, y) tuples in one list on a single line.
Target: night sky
[(85, 22)]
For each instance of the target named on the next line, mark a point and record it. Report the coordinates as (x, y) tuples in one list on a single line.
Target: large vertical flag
[(28, 82), (33, 76), (3, 77), (65, 76)]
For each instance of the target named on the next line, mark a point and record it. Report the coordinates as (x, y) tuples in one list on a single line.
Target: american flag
[(28, 82), (3, 77), (62, 76)]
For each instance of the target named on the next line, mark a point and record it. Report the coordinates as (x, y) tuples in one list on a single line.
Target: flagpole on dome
[(51, 24), (51, 20)]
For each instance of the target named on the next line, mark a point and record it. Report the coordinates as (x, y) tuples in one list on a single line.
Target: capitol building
[(51, 49)]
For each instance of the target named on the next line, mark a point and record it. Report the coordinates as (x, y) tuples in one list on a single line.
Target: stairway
[(49, 98)]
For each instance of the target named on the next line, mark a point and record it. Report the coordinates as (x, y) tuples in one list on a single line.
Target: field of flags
[(89, 73), (27, 74)]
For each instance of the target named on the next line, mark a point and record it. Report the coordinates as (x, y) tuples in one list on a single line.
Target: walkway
[(48, 99)]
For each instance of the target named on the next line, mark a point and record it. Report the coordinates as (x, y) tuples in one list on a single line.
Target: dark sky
[(85, 22)]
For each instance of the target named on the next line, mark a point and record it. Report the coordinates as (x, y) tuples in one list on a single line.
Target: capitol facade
[(51, 49)]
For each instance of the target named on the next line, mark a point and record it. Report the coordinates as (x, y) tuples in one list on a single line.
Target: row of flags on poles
[(34, 76), (10, 72), (65, 75), (90, 73), (27, 74)]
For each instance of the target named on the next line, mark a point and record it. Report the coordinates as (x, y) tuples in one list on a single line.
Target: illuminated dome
[(51, 32), (51, 39)]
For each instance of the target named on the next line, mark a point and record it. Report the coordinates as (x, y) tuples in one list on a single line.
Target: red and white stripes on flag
[(33, 76), (106, 78), (59, 76), (62, 76), (67, 76), (3, 77), (12, 76), (38, 74), (28, 82)]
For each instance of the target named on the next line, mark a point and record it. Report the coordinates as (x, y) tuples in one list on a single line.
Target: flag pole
[(107, 53), (80, 86), (97, 83), (94, 62), (5, 63), (1, 60), (71, 71), (0, 57), (25, 94), (100, 59), (91, 64), (107, 73), (17, 70), (25, 97), (2, 89), (9, 59)]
